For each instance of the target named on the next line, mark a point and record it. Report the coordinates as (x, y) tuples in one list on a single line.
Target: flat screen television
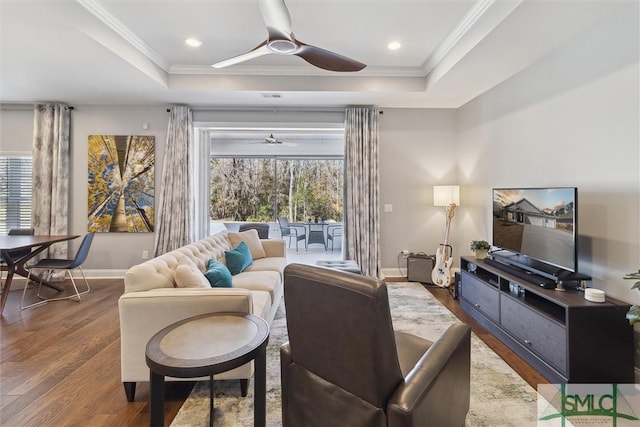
[(536, 228)]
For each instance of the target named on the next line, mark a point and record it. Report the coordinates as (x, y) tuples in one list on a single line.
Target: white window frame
[(15, 190)]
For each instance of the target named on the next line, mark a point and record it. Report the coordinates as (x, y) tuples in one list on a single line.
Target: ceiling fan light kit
[(281, 41)]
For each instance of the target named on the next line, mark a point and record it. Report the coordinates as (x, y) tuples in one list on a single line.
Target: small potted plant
[(633, 315), (481, 247)]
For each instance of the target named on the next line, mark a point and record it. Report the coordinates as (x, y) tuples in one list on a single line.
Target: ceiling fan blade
[(276, 17), (327, 60), (259, 51)]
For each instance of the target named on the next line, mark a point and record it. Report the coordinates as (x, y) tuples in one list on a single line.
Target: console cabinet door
[(536, 332), (484, 297)]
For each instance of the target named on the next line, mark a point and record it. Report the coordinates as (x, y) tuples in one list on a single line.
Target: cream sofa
[(151, 300)]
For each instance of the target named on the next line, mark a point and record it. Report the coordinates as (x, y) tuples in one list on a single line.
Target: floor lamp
[(449, 197)]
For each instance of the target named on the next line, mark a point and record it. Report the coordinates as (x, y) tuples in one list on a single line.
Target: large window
[(15, 192), (260, 189)]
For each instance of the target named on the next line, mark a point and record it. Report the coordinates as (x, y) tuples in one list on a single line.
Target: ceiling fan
[(273, 140), (281, 41)]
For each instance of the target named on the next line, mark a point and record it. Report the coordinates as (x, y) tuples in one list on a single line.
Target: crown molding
[(480, 21), (463, 27), (250, 70), (123, 31)]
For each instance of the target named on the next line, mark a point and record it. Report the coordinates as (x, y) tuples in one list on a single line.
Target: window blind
[(15, 192)]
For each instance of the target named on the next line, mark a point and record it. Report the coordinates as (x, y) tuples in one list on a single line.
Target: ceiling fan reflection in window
[(281, 41), (272, 140)]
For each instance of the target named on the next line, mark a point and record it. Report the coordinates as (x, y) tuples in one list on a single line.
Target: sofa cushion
[(187, 275), (218, 274), (276, 264), (259, 281), (238, 258), (251, 238)]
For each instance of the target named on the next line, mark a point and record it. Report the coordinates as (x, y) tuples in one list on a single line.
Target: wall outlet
[(405, 253), (145, 254)]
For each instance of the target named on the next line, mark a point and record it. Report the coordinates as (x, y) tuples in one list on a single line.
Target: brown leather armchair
[(345, 366)]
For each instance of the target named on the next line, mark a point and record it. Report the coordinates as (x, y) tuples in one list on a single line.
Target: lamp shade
[(445, 195)]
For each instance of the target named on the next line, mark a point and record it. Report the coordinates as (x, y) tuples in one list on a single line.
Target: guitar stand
[(449, 249)]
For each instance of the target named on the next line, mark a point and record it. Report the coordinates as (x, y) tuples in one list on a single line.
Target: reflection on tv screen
[(539, 223)]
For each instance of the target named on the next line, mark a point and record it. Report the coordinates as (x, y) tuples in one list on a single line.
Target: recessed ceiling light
[(394, 45), (193, 42)]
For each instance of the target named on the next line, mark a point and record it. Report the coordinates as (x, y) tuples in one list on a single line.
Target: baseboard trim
[(103, 274), (394, 274), (637, 374), (19, 281)]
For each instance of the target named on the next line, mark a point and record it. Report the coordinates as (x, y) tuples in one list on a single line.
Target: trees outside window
[(260, 189)]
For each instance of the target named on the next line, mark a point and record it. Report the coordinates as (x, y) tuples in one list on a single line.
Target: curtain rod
[(19, 107)]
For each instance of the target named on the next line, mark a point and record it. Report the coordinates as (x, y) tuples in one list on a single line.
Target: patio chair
[(51, 264), (262, 228), (292, 232), (334, 231)]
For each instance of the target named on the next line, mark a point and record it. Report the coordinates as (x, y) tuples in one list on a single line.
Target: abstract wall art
[(121, 183)]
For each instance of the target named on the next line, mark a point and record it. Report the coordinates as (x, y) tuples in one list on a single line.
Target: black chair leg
[(130, 390), (244, 387)]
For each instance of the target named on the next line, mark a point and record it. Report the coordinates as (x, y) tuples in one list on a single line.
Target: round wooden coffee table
[(206, 345)]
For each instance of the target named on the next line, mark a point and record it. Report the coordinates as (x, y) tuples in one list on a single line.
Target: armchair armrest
[(436, 391), (285, 361)]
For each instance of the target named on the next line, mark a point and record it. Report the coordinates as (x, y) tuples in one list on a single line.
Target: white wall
[(16, 129), (109, 251), (417, 151), (570, 120)]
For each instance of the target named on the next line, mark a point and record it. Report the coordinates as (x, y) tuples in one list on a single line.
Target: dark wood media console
[(562, 335)]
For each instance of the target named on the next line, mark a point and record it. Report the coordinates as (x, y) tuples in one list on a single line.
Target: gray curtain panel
[(174, 225), (50, 200), (361, 189)]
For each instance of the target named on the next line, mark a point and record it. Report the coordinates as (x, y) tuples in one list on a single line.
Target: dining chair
[(17, 254), (52, 264)]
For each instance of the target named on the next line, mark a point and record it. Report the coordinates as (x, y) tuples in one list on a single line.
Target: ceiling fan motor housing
[(282, 47)]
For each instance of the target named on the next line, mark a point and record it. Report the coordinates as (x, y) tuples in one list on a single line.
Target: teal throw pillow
[(238, 259), (218, 274)]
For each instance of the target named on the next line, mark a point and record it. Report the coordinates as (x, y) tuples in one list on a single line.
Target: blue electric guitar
[(441, 273)]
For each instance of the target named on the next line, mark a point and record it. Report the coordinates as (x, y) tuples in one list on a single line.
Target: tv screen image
[(537, 222)]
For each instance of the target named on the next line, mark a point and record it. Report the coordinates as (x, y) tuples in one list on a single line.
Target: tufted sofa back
[(158, 272)]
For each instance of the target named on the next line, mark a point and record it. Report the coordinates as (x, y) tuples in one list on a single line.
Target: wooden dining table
[(37, 244)]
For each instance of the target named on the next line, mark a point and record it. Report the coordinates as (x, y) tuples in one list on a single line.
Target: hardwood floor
[(60, 363)]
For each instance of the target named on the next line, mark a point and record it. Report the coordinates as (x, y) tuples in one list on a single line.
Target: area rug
[(499, 397)]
